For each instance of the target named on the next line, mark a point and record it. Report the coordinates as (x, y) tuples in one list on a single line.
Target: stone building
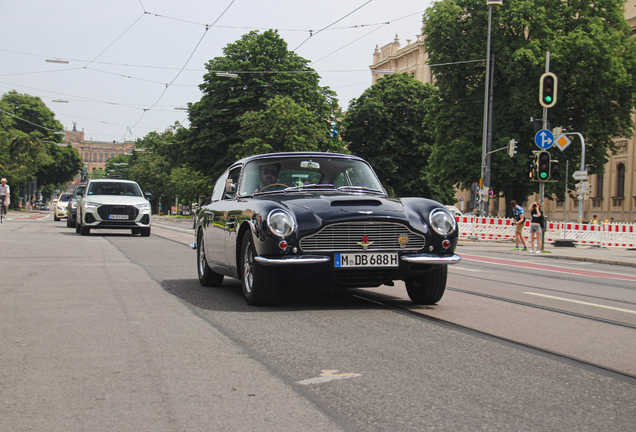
[(613, 193), (94, 154)]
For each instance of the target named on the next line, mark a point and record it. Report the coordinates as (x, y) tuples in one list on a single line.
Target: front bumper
[(60, 213), (320, 269), (93, 219)]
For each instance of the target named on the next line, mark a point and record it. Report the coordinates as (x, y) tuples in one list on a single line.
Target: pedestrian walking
[(594, 220), (5, 195), (536, 226), (520, 221)]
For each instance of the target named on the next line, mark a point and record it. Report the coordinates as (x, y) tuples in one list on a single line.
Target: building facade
[(613, 194), (95, 154)]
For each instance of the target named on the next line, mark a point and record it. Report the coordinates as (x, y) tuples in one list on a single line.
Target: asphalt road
[(114, 332)]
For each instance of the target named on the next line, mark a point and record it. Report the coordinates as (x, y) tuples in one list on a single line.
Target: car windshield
[(114, 188), (64, 198), (297, 173)]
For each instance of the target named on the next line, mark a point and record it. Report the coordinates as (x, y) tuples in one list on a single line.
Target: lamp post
[(485, 157)]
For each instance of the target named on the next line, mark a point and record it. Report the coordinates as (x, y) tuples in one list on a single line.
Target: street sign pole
[(542, 184), (582, 167)]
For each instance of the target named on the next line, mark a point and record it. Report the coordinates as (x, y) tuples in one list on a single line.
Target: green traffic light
[(548, 99), (543, 175)]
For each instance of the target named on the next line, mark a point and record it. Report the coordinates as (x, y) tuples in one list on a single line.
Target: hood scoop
[(356, 203)]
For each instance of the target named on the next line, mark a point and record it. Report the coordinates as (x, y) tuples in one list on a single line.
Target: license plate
[(366, 259), (117, 216)]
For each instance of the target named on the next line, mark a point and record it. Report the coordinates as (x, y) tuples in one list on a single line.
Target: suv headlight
[(143, 206), (91, 204), (280, 223), (442, 221)]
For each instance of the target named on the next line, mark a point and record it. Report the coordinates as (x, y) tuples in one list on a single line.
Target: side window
[(219, 187), (235, 174)]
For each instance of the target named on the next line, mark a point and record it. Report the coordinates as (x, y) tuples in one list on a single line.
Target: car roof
[(112, 180), (294, 154)]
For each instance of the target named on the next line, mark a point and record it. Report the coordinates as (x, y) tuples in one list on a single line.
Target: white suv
[(113, 204)]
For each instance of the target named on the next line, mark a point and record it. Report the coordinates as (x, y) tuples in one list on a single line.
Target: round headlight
[(280, 223), (442, 221)]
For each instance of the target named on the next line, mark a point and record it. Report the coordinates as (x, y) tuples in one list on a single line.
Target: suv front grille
[(343, 237), (106, 210)]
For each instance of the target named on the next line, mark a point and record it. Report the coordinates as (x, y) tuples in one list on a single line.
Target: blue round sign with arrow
[(544, 139)]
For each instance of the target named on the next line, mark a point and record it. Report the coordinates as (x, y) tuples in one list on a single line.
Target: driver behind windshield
[(267, 175)]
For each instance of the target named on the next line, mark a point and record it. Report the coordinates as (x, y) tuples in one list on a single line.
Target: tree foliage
[(590, 52), (29, 145), (385, 125), (283, 125), (268, 69)]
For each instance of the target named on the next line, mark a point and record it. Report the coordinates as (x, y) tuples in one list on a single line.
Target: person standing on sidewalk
[(536, 226), (520, 221)]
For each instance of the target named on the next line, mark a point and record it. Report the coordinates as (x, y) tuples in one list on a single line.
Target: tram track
[(588, 365)]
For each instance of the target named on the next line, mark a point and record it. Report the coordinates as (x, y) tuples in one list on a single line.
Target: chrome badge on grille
[(365, 242)]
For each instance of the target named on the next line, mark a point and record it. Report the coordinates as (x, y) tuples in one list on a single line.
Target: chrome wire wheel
[(201, 257), (248, 268)]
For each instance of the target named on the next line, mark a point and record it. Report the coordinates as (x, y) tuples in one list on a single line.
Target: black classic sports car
[(320, 219)]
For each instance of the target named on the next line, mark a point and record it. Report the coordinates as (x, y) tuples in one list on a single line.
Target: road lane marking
[(551, 268), (328, 375), (582, 302), (456, 267)]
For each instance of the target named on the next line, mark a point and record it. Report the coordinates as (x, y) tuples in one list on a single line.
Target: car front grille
[(106, 210), (351, 236)]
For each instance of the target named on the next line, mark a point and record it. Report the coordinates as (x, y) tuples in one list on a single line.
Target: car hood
[(334, 206), (115, 199)]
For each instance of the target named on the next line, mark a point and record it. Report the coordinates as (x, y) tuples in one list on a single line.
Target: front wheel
[(259, 284), (56, 219), (77, 224), (207, 277), (428, 288)]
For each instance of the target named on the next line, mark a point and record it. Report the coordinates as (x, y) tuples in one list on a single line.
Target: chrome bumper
[(303, 259), (431, 259)]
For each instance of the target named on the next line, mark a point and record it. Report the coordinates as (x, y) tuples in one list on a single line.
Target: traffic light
[(548, 90), (554, 170), (532, 165), (512, 147), (543, 169)]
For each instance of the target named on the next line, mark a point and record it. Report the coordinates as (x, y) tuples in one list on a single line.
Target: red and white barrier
[(606, 235)]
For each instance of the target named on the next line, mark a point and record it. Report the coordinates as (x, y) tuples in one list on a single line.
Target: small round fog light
[(282, 245), (446, 244)]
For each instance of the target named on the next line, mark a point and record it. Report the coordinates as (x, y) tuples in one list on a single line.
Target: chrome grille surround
[(106, 209), (344, 237)]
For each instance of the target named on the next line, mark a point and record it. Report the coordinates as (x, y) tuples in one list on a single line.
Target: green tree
[(283, 125), (590, 52), (268, 69), (29, 145), (188, 184), (385, 125)]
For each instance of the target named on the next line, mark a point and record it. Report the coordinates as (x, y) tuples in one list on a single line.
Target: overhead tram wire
[(311, 34), (207, 27)]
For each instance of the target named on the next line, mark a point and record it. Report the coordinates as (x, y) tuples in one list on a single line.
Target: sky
[(132, 62)]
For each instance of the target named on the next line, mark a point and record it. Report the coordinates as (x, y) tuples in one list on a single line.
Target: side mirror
[(229, 186), (147, 194), (81, 193)]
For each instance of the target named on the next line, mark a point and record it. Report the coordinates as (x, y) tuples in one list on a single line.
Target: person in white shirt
[(5, 194)]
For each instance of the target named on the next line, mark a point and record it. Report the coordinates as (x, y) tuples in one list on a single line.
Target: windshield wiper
[(364, 188), (309, 186)]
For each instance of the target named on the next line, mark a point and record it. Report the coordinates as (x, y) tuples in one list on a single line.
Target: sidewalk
[(613, 256)]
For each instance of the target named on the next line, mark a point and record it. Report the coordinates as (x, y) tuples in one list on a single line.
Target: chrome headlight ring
[(442, 221), (281, 223)]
